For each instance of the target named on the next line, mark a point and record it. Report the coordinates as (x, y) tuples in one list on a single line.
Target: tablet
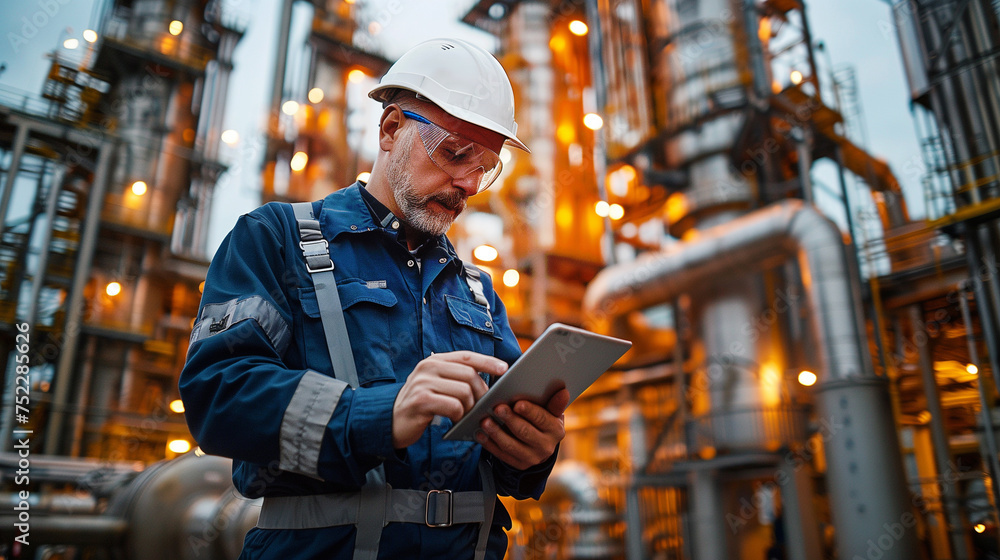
[(563, 356)]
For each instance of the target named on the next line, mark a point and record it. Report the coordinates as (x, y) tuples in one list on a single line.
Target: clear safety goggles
[(457, 156)]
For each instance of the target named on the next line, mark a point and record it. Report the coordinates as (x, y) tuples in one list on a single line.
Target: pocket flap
[(471, 314), (355, 291)]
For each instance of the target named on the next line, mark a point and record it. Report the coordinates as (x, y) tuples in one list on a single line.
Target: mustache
[(453, 201)]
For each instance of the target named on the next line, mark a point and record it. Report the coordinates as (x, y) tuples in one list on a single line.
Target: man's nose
[(469, 184)]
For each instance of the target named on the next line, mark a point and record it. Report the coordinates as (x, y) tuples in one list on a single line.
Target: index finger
[(475, 360)]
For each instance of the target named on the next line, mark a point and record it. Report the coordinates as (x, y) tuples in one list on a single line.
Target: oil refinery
[(798, 388)]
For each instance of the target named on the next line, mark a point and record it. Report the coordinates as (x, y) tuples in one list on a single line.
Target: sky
[(858, 33)]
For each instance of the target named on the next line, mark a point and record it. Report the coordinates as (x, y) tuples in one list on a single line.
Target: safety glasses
[(459, 157)]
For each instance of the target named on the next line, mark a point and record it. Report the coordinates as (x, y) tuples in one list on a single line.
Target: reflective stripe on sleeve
[(305, 420), (219, 317)]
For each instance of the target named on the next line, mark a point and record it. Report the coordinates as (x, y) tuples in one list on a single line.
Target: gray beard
[(416, 212)]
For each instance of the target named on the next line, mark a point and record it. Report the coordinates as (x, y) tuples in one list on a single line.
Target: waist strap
[(436, 508)]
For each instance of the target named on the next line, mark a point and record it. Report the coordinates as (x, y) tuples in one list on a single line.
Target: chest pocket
[(367, 312), (472, 326)]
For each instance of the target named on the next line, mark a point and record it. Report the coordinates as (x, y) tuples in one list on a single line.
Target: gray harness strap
[(316, 251), (377, 503)]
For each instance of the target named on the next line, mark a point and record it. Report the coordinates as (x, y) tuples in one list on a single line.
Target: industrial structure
[(795, 390)]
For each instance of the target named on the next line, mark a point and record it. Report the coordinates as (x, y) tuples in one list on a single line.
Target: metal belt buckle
[(427, 509), (317, 248)]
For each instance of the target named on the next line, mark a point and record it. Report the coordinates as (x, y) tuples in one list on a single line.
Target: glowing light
[(578, 28), (979, 528), (89, 35), (290, 107), (356, 76), (972, 369), (557, 43), (776, 87), (177, 406), (364, 176), (616, 212), (924, 417), (315, 95), (113, 289), (176, 27), (602, 208), (807, 378), (566, 133), (71, 43), (201, 287), (796, 77), (593, 121), (505, 155), (299, 161), (139, 188), (179, 445), (486, 253), (764, 31), (511, 277), (230, 137)]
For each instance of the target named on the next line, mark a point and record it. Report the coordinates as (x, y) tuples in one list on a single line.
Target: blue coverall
[(259, 340)]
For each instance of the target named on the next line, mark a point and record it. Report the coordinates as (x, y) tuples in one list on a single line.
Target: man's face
[(429, 198)]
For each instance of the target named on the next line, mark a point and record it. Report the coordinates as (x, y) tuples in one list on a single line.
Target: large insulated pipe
[(575, 483), (869, 499)]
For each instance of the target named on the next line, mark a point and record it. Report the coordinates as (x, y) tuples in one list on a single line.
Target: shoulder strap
[(316, 252), (472, 278)]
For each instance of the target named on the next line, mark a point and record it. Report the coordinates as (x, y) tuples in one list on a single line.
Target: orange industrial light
[(578, 28), (89, 35), (315, 95), (972, 369), (113, 289), (356, 76), (511, 277), (364, 176), (71, 43), (616, 211), (486, 253), (177, 406), (290, 107), (602, 208), (139, 188), (176, 27), (593, 121), (179, 445), (807, 378), (299, 161)]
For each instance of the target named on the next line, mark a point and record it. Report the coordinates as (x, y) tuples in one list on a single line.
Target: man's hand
[(529, 433), (446, 385)]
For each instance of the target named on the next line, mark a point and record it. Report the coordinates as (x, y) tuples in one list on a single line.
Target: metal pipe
[(55, 187), (74, 313), (983, 300), (788, 226), (989, 434), (867, 495), (939, 439), (68, 529), (707, 516), (20, 139)]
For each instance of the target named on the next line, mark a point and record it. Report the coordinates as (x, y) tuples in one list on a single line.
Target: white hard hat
[(463, 79)]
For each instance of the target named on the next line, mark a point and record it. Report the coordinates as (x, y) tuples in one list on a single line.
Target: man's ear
[(388, 127)]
